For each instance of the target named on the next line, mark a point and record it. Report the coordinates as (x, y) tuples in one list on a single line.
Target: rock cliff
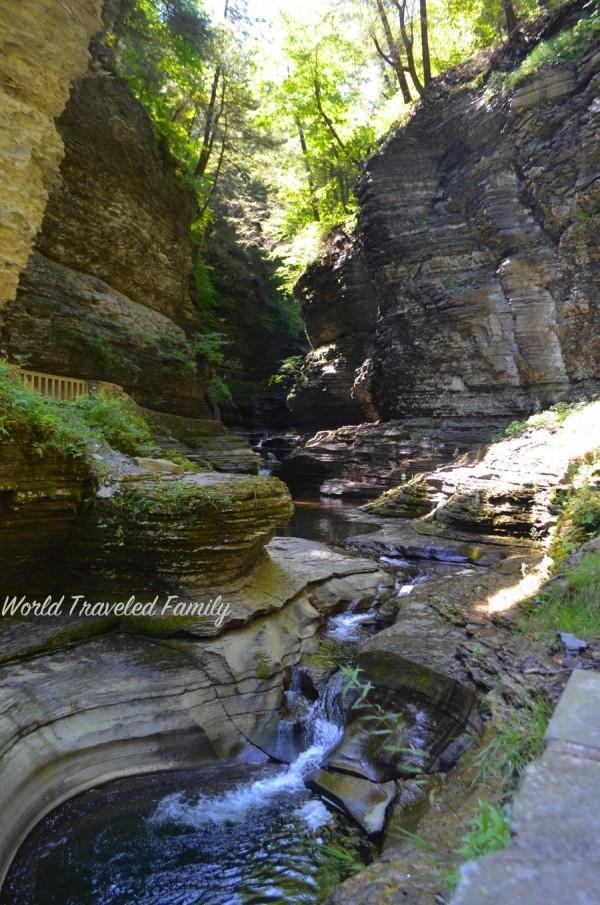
[(469, 288), (107, 292), (43, 47)]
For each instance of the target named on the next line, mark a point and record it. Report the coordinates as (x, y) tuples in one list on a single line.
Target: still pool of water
[(328, 520), (242, 835)]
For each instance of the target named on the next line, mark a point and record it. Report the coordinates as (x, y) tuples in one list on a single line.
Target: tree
[(509, 13)]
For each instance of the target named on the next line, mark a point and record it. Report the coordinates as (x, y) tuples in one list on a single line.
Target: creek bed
[(228, 834)]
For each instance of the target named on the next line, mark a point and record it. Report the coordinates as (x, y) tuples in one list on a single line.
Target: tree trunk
[(309, 175), (394, 53), (509, 12), (208, 137), (425, 43), (408, 46)]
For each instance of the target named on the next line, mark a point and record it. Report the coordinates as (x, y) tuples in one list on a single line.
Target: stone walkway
[(555, 853)]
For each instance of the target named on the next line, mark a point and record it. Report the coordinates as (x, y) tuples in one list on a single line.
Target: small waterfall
[(236, 804)]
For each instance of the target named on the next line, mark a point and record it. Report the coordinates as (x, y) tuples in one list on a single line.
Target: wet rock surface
[(92, 700)]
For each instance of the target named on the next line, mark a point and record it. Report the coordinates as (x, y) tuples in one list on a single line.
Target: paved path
[(554, 858)]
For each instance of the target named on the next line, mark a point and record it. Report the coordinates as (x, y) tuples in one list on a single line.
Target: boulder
[(366, 802)]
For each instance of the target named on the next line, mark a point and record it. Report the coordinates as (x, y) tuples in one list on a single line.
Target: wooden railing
[(55, 385)]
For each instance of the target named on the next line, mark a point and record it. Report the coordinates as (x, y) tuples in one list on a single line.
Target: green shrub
[(66, 428), (569, 46), (219, 391)]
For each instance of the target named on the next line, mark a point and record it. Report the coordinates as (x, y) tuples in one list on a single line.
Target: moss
[(263, 670)]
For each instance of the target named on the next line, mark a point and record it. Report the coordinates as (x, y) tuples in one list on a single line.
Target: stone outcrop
[(366, 459), (85, 700), (107, 293), (43, 48), (339, 308), (478, 255), (39, 504), (179, 533), (506, 488)]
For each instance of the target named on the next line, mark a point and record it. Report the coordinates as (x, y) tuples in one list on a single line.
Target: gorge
[(405, 555)]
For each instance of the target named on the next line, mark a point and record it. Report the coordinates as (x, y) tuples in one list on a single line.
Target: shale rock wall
[(470, 286), (107, 292), (43, 47)]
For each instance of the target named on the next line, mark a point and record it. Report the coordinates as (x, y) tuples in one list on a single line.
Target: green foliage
[(517, 739), (489, 831), (570, 605), (219, 391), (552, 417), (210, 346), (569, 46), (289, 372), (56, 427), (113, 421)]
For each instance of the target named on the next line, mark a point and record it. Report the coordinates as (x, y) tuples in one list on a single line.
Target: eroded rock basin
[(241, 831)]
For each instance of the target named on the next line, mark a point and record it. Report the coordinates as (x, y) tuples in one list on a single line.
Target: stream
[(225, 835)]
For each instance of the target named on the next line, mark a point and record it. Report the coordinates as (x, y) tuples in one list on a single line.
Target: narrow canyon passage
[(299, 452)]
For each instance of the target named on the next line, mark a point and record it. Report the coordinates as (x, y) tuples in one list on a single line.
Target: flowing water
[(225, 835)]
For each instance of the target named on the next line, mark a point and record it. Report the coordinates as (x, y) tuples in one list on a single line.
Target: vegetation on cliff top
[(66, 428), (281, 115)]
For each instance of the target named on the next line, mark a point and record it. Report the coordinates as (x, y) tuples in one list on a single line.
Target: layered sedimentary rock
[(107, 293), (479, 255), (84, 700), (178, 532), (366, 459), (39, 503), (505, 489), (339, 308), (43, 47)]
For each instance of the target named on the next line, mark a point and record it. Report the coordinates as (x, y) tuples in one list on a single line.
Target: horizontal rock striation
[(339, 308), (506, 488), (43, 47), (108, 292), (39, 503), (366, 459), (176, 532), (478, 256), (82, 701)]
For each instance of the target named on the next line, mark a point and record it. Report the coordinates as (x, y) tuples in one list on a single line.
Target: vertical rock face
[(107, 293), (43, 47), (339, 307), (480, 234)]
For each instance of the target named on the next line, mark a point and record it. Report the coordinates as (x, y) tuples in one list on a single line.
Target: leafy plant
[(219, 391), (489, 832), (567, 46), (58, 427), (290, 370), (518, 738)]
